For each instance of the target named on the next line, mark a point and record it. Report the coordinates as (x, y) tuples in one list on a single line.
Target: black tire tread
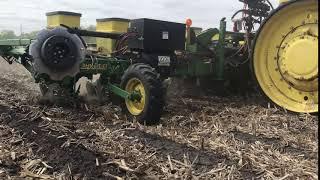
[(155, 100)]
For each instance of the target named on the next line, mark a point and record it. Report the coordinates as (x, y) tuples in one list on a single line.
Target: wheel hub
[(135, 107), (58, 53), (298, 59), (300, 66), (285, 59)]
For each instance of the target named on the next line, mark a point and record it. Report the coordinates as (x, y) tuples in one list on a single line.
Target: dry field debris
[(200, 137)]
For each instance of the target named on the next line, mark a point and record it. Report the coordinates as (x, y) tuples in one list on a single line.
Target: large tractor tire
[(285, 56), (144, 79)]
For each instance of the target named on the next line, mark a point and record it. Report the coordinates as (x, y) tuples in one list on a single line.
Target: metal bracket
[(122, 93)]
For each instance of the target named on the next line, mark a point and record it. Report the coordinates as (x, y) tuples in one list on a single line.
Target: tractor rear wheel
[(285, 56), (144, 79)]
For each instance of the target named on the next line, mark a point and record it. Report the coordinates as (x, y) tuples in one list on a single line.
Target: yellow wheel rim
[(135, 107), (285, 59)]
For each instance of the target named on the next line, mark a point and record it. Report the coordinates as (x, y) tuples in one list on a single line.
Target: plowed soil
[(200, 137)]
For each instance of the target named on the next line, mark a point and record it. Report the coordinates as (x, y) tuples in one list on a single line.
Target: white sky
[(30, 14)]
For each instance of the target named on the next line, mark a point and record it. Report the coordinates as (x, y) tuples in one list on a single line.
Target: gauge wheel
[(143, 79)]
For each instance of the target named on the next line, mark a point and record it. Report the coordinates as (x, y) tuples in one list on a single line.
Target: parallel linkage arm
[(16, 50), (133, 96)]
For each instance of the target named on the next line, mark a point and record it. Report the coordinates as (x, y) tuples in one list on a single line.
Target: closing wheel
[(142, 79), (285, 56)]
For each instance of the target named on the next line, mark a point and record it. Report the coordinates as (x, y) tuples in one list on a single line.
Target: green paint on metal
[(103, 65), (134, 96), (193, 48), (202, 41), (205, 37), (17, 51), (13, 48), (219, 64), (15, 42), (194, 68), (118, 91), (197, 64)]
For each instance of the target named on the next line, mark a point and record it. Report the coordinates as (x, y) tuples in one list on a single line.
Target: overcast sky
[(30, 14)]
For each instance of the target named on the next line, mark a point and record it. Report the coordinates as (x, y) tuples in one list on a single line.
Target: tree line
[(9, 34)]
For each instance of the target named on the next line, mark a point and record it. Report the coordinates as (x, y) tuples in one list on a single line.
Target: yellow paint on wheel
[(285, 60), (135, 107)]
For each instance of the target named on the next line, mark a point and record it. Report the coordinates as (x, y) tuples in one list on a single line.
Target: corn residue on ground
[(200, 137)]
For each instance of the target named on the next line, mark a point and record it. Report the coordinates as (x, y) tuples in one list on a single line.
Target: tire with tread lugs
[(154, 96)]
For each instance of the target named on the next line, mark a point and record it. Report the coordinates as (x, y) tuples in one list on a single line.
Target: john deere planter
[(133, 59)]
